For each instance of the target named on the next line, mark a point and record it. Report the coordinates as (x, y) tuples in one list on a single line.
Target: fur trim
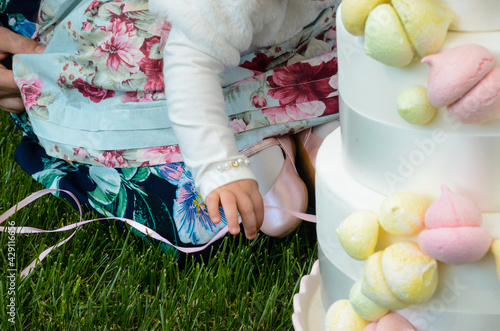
[(227, 28), (187, 16), (296, 15)]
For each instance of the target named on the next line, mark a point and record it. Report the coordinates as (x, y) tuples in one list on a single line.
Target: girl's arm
[(197, 111)]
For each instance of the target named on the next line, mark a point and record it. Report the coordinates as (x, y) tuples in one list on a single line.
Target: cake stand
[(309, 314)]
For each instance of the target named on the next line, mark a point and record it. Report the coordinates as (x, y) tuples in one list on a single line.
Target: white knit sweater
[(206, 37)]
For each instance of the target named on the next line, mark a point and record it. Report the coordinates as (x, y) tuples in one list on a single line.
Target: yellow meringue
[(403, 213), (365, 307), (411, 275), (355, 12), (341, 317), (374, 286), (385, 38), (414, 105), (495, 249), (358, 234), (426, 23)]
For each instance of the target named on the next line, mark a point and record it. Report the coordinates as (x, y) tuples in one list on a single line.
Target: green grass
[(104, 279)]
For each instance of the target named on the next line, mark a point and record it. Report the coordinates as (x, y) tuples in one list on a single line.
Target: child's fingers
[(228, 201), (213, 202), (258, 205), (248, 217)]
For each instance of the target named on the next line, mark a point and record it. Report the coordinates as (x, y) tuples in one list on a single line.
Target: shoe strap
[(286, 148), (138, 226), (260, 146)]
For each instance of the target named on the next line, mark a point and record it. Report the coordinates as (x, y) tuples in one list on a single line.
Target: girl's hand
[(13, 43), (241, 196)]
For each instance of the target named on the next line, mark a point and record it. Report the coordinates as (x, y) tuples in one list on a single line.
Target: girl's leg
[(325, 129), (267, 166)]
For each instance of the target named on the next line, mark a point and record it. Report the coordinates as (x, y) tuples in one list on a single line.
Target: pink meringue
[(482, 103), (371, 327), (456, 246), (455, 71), (452, 210), (394, 322), (453, 231)]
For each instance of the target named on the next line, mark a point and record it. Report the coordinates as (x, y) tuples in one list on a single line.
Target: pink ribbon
[(138, 226)]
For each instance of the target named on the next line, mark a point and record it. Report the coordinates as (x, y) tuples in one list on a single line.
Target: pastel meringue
[(480, 104), (364, 306), (355, 13), (385, 37), (391, 322), (453, 231), (341, 317), (455, 71), (452, 210), (371, 327), (403, 213), (414, 106), (375, 287), (411, 275), (456, 246), (426, 23), (358, 234), (394, 322)]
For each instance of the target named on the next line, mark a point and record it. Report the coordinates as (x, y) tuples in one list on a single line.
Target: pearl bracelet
[(233, 164)]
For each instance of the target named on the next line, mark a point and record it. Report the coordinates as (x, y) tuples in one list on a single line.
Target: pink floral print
[(238, 125), (94, 93), (160, 155), (259, 99), (119, 50), (289, 83), (289, 113), (112, 159), (31, 88)]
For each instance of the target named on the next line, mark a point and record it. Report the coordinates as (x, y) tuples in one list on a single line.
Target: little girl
[(127, 85)]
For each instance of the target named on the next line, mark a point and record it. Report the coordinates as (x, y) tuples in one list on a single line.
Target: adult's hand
[(13, 43)]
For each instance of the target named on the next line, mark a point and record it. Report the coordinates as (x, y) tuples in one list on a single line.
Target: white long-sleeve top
[(206, 37)]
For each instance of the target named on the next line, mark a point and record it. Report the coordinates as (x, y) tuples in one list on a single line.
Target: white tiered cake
[(377, 154)]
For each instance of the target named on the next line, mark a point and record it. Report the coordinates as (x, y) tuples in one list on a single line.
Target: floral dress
[(101, 88)]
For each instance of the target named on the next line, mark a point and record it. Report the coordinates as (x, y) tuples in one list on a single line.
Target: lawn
[(105, 279)]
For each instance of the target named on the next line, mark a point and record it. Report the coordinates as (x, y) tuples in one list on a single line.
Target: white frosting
[(388, 154), (468, 296), (473, 15)]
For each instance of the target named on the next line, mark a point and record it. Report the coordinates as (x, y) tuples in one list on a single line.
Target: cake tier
[(473, 15), (468, 296), (388, 154)]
